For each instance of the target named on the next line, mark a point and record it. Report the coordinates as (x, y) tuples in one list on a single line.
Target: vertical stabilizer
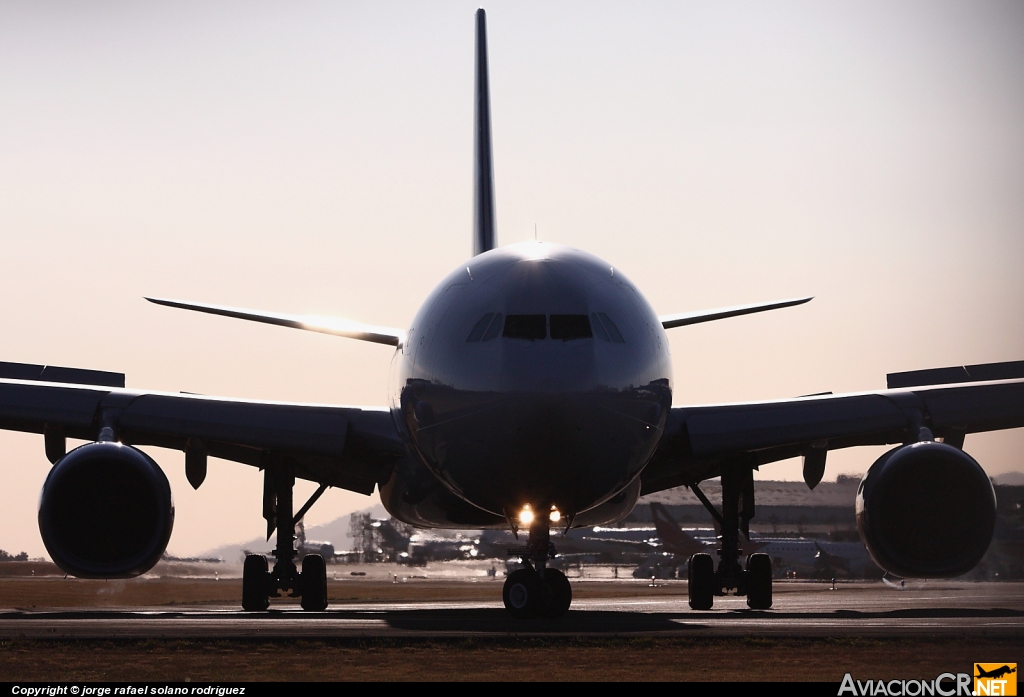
[(674, 539), (483, 167)]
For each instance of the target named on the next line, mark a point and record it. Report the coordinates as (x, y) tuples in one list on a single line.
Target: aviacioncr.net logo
[(945, 685), (995, 679)]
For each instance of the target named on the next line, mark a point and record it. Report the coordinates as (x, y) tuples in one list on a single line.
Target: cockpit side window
[(531, 327), (494, 329), (613, 332), (487, 328), (599, 329), (480, 327), (569, 327)]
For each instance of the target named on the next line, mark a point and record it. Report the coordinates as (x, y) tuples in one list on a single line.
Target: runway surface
[(812, 610)]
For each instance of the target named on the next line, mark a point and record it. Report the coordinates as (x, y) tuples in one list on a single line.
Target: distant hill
[(336, 532), (1009, 479)]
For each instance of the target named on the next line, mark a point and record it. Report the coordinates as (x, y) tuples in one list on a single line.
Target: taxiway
[(937, 609)]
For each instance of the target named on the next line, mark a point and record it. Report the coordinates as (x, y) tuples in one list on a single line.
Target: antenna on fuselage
[(484, 236)]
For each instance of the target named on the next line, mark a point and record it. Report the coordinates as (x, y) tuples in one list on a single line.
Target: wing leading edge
[(311, 323), (347, 447), (699, 440), (687, 318)]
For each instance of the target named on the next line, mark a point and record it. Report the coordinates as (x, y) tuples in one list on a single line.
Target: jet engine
[(926, 510), (106, 512)]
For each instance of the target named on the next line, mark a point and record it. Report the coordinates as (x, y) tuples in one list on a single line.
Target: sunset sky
[(315, 157)]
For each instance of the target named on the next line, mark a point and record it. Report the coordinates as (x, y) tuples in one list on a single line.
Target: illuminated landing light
[(555, 515), (526, 515)]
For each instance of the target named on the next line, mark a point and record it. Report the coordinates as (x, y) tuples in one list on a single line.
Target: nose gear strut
[(537, 590)]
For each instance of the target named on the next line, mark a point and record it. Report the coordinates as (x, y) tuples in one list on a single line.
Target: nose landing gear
[(536, 590)]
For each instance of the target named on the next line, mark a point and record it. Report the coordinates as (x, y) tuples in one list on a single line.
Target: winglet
[(324, 325), (484, 236), (687, 318)]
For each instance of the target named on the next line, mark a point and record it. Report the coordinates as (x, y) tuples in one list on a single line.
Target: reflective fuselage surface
[(535, 374)]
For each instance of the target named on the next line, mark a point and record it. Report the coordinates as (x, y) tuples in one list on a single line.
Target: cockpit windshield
[(531, 327), (569, 327), (536, 327)]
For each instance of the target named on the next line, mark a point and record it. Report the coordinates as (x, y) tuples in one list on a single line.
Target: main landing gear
[(259, 583), (537, 590), (755, 582)]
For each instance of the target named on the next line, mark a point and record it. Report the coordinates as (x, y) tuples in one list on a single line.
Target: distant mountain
[(1009, 479), (336, 532)]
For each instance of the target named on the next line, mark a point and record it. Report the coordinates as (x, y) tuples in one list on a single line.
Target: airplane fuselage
[(535, 374)]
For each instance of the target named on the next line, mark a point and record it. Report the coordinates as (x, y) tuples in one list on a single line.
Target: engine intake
[(106, 512), (926, 510)]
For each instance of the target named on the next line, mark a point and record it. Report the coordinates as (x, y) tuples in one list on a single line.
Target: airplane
[(424, 547), (804, 556), (677, 541), (848, 559), (995, 673), (531, 392)]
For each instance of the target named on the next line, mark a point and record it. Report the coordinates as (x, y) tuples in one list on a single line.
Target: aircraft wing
[(348, 447), (685, 319), (311, 323), (699, 440)]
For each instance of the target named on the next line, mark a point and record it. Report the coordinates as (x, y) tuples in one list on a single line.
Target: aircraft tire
[(314, 583), (254, 583), (560, 591), (759, 581), (524, 593), (701, 581)]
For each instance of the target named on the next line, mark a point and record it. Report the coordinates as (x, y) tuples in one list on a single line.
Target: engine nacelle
[(106, 512), (926, 510)]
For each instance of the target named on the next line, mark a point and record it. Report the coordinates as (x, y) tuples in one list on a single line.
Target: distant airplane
[(424, 546), (674, 539), (532, 391), (806, 557)]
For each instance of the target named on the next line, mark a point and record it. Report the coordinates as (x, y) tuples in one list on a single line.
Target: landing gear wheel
[(759, 582), (701, 581), (314, 583), (560, 591), (254, 583), (524, 593)]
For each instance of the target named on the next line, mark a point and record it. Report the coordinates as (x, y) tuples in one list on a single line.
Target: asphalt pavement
[(800, 610)]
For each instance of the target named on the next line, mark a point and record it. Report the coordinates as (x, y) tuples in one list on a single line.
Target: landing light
[(526, 515), (555, 515)]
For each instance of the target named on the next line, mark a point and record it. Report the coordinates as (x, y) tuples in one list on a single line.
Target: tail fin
[(483, 168), (673, 538)]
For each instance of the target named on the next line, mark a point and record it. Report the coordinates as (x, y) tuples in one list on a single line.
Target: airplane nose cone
[(572, 450)]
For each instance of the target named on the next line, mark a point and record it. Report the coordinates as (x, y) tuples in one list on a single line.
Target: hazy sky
[(315, 157)]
